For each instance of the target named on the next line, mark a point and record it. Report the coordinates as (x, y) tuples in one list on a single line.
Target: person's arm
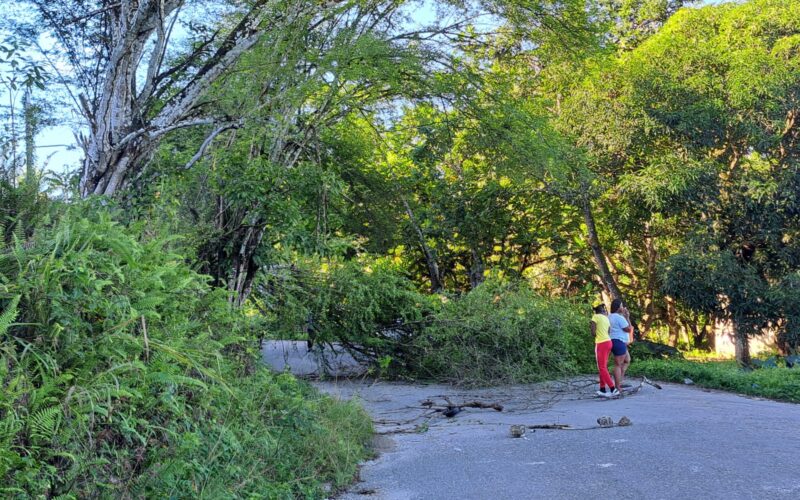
[(593, 329), (629, 329)]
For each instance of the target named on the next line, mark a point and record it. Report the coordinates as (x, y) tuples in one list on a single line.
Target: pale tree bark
[(133, 95), (122, 138), (31, 127)]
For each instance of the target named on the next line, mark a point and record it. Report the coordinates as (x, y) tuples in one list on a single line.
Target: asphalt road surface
[(684, 442)]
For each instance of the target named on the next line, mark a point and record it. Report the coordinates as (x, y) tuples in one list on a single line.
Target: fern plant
[(8, 316), (43, 424), (120, 376)]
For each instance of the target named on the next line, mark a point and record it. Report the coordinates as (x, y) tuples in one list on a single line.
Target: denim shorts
[(618, 347)]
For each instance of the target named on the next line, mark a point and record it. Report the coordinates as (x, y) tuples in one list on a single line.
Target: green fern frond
[(149, 303), (9, 315), (44, 423), (10, 425), (123, 248)]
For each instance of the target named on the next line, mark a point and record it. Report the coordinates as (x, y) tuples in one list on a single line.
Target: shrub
[(504, 333), (370, 306), (125, 375)]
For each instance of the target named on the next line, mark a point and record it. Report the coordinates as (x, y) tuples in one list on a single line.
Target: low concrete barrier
[(321, 360)]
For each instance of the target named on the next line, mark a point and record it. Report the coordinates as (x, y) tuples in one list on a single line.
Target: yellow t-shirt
[(602, 326)]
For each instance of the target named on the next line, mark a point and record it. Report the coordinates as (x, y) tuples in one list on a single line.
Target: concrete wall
[(322, 360), (725, 343)]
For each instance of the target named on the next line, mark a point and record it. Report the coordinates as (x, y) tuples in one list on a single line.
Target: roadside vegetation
[(780, 382), (126, 374)]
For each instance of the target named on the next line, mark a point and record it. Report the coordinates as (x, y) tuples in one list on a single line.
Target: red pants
[(601, 352)]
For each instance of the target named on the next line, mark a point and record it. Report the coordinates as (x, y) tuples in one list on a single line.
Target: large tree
[(140, 69), (260, 180), (699, 149)]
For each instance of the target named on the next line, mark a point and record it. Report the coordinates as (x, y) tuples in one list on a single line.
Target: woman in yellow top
[(600, 326)]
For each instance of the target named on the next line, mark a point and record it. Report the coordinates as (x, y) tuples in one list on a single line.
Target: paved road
[(684, 443)]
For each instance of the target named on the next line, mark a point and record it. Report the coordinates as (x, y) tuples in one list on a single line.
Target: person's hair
[(615, 305), (599, 308)]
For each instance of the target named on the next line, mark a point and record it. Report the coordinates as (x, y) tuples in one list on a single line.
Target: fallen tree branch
[(478, 404), (451, 409), (647, 381), (551, 426), (602, 423)]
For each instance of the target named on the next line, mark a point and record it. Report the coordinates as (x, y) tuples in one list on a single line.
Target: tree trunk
[(31, 127), (742, 345), (649, 302), (243, 266), (131, 98), (430, 256), (672, 323), (106, 169), (700, 334), (711, 334), (476, 270), (597, 249)]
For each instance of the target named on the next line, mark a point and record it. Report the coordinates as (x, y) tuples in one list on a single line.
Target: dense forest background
[(444, 187)]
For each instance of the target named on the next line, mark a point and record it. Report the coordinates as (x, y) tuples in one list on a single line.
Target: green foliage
[(632, 21), (695, 152), (504, 333), (21, 209), (775, 383), (368, 305), (126, 374), (498, 333)]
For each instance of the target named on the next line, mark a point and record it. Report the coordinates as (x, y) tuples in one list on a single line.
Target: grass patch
[(774, 383)]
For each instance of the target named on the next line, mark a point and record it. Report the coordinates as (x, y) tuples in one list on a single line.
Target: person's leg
[(618, 374), (626, 363), (602, 350), (620, 351), (598, 356)]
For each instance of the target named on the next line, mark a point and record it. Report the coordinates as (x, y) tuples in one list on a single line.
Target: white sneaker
[(603, 394), (615, 393)]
